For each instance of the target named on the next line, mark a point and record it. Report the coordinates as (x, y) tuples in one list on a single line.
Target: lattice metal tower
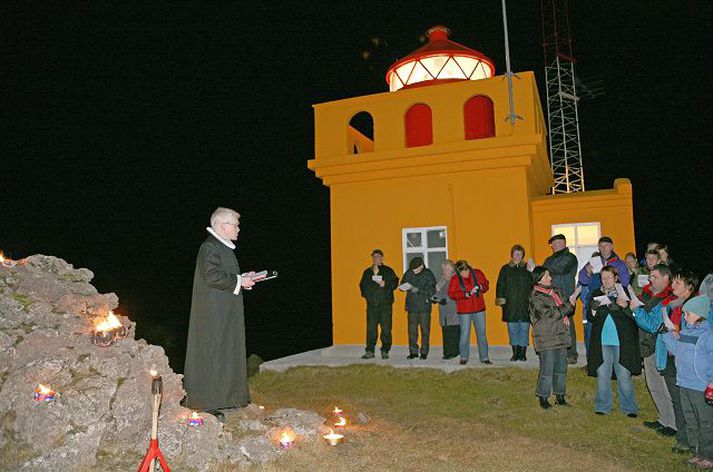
[(562, 116)]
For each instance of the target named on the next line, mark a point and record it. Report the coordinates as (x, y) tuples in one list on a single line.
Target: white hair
[(223, 215)]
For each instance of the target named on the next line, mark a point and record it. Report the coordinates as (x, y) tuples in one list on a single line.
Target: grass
[(472, 420)]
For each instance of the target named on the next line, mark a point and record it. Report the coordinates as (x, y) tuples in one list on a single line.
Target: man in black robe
[(215, 373)]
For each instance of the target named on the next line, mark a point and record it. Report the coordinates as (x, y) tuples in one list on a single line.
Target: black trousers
[(416, 321), (669, 376), (451, 339), (378, 315), (572, 349)]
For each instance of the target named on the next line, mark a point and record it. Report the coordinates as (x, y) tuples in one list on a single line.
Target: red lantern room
[(439, 61)]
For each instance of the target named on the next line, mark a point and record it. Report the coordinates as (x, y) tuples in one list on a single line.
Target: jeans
[(416, 321), (451, 338), (552, 377), (603, 396), (519, 333), (670, 378), (478, 320), (699, 422), (659, 393), (378, 315)]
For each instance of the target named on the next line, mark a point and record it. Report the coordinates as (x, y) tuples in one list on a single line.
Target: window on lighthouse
[(419, 125), (360, 133), (479, 118)]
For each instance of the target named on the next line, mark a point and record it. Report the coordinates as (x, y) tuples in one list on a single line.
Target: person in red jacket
[(467, 287)]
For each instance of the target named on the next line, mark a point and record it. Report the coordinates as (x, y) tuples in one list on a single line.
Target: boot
[(523, 353), (544, 403), (561, 401), (515, 353)]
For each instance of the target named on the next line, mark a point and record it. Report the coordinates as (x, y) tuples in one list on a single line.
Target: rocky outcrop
[(101, 417)]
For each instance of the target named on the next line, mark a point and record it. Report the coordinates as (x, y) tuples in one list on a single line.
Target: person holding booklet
[(467, 287), (377, 286), (419, 283), (640, 278), (614, 345)]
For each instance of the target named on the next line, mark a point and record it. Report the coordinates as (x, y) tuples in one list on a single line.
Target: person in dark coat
[(447, 312), (377, 286), (562, 266), (512, 294), (418, 306), (215, 373), (614, 346), (550, 316)]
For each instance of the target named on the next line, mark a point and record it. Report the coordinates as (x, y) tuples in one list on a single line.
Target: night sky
[(124, 127)]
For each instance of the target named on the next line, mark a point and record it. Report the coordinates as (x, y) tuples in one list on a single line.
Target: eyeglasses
[(232, 224)]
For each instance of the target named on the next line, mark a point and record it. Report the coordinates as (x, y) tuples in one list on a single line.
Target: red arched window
[(479, 118), (419, 129)]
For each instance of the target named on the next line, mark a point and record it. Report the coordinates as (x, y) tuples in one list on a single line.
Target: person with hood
[(550, 316), (562, 266), (692, 348), (421, 287), (467, 287), (447, 313), (512, 294), (614, 346), (377, 285)]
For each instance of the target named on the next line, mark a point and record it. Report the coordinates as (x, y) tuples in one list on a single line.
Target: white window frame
[(574, 245), (424, 240)]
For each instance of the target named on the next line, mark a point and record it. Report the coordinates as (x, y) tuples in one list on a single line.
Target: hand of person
[(566, 321), (573, 298), (381, 283), (246, 281), (632, 305), (475, 290), (530, 264), (414, 289), (589, 269), (622, 302)]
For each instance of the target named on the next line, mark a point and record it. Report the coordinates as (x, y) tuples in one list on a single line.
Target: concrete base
[(349, 354)]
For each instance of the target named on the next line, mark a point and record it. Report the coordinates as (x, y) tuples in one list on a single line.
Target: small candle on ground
[(333, 438), (287, 438), (44, 394), (195, 420)]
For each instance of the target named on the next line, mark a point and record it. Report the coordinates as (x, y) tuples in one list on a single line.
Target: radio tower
[(562, 117)]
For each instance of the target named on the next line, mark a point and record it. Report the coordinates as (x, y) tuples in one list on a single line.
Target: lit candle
[(337, 411), (194, 420), (333, 438), (341, 422), (44, 394), (156, 382)]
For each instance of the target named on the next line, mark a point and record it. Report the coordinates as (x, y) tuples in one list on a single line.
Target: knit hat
[(415, 263), (537, 274), (700, 305), (556, 237)]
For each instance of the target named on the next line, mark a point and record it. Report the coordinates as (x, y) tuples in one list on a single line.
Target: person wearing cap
[(562, 266), (550, 313), (467, 287), (512, 293), (693, 351), (418, 306), (377, 286), (607, 257)]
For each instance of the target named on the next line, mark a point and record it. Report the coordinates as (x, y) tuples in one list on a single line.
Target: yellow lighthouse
[(433, 169)]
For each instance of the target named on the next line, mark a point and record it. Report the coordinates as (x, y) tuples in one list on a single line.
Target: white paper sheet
[(405, 287), (621, 293), (642, 280), (634, 299), (602, 300), (667, 321), (377, 278), (596, 264)]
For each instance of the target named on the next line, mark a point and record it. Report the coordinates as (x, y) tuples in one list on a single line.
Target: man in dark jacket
[(421, 287), (377, 286), (562, 266), (216, 369)]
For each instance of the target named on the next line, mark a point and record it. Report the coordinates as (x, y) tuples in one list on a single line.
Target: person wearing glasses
[(215, 373)]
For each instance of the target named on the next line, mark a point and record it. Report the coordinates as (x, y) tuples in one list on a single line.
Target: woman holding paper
[(614, 346)]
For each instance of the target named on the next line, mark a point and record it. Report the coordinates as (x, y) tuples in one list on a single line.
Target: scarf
[(551, 292)]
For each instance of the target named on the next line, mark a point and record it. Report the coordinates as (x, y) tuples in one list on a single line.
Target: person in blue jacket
[(693, 350)]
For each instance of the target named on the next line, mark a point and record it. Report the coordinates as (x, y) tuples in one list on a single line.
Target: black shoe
[(384, 355), (653, 425), (463, 361), (679, 448), (544, 403), (368, 355), (515, 354), (218, 415), (523, 353), (600, 413), (412, 356), (571, 360), (486, 362), (561, 401), (424, 356), (632, 415), (668, 432)]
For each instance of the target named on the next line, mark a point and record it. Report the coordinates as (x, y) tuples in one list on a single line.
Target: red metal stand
[(154, 453)]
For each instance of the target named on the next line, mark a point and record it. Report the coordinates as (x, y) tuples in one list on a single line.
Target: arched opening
[(479, 118), (419, 125), (360, 133)]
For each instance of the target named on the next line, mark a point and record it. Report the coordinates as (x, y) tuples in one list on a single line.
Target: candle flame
[(43, 390), (337, 411), (110, 323), (2, 258), (342, 422), (332, 435), (195, 416), (153, 372), (288, 435)]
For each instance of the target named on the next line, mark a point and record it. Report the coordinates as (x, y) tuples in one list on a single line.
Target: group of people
[(647, 315)]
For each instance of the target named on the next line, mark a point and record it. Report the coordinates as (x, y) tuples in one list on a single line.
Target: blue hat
[(700, 305)]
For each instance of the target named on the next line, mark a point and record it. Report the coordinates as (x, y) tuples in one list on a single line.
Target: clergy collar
[(220, 238)]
